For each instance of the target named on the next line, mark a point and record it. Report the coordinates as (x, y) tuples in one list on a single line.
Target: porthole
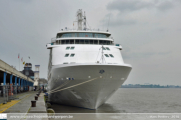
[(66, 55), (72, 48), (67, 48), (72, 55), (111, 55), (107, 48), (106, 55)]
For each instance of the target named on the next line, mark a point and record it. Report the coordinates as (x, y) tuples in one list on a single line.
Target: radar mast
[(81, 18)]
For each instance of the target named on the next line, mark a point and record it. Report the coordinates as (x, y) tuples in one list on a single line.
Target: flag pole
[(20, 64), (19, 61)]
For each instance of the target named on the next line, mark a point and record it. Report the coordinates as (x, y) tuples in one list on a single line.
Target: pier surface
[(22, 107)]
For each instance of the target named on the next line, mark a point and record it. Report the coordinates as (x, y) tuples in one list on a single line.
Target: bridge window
[(74, 35), (104, 49), (80, 35), (89, 35), (100, 35), (67, 35), (72, 55), (66, 55), (85, 34), (106, 55), (111, 55)]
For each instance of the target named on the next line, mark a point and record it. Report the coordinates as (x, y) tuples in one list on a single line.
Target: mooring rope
[(73, 85), (60, 86)]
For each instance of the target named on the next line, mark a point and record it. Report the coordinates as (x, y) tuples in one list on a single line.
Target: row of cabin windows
[(71, 55), (108, 55), (106, 48), (71, 48), (100, 42), (92, 35)]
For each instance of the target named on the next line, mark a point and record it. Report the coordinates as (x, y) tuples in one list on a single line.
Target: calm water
[(135, 100)]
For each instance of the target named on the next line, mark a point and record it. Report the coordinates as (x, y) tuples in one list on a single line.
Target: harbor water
[(134, 100)]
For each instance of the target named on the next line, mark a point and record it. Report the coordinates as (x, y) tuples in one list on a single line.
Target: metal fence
[(9, 92)]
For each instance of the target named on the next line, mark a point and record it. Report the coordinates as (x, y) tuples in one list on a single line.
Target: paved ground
[(20, 109), (20, 105), (15, 96)]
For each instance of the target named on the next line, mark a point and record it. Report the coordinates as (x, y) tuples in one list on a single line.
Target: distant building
[(28, 71), (37, 67), (43, 82), (149, 86)]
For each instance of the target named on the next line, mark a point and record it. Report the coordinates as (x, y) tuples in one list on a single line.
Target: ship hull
[(87, 86)]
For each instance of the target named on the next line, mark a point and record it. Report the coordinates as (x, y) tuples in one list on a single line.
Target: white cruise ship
[(85, 66)]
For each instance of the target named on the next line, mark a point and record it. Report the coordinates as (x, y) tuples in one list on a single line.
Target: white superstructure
[(85, 66)]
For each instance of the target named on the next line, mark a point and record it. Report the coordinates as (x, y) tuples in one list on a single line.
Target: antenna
[(84, 21), (79, 19)]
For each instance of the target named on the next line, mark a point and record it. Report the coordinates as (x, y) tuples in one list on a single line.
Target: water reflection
[(105, 108), (138, 100)]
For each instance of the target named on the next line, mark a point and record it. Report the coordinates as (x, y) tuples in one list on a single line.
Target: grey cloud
[(116, 21), (165, 5), (132, 5), (122, 22), (161, 29), (131, 55), (164, 53)]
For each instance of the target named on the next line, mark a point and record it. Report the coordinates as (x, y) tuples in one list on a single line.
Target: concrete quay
[(21, 108), (12, 82)]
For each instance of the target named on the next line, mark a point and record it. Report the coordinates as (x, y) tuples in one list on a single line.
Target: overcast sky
[(148, 30)]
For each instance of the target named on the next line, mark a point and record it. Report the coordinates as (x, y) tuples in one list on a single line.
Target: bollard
[(45, 96), (48, 105), (36, 97), (48, 102), (33, 103), (50, 111)]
